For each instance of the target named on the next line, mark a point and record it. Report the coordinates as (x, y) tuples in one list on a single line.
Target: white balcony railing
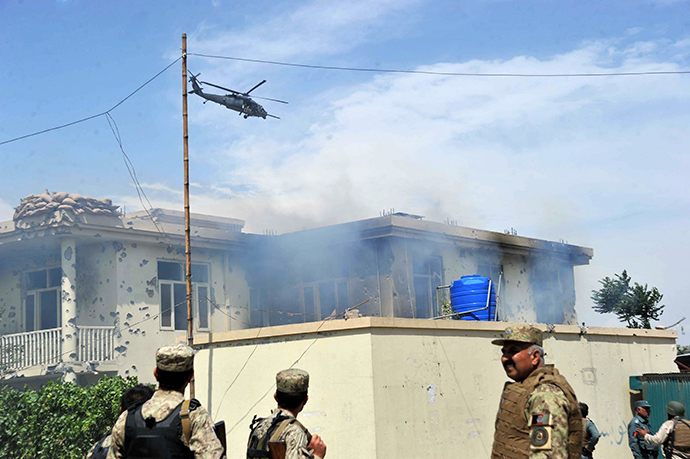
[(96, 344), (43, 347), (21, 350)]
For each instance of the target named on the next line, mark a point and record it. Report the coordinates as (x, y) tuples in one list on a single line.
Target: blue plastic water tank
[(470, 293)]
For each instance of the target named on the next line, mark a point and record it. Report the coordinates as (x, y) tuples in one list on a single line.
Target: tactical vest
[(148, 439), (257, 446), (678, 440), (511, 431), (100, 451)]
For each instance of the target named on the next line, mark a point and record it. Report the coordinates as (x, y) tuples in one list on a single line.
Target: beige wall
[(414, 388)]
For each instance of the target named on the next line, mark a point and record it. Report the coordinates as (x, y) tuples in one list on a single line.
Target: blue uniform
[(591, 438), (640, 448)]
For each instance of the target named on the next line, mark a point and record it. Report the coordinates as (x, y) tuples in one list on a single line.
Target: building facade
[(87, 290)]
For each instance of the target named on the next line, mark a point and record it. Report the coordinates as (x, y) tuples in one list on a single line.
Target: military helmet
[(675, 408)]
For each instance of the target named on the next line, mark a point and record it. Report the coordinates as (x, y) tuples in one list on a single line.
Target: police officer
[(590, 432), (640, 448), (281, 428), (674, 434), (167, 426), (539, 415)]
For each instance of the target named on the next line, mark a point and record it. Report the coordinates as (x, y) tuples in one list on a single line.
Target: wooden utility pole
[(187, 217)]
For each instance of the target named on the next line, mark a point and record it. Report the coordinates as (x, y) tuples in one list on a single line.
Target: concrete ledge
[(310, 328)]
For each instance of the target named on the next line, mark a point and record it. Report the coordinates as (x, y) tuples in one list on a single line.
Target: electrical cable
[(428, 72), (92, 116)]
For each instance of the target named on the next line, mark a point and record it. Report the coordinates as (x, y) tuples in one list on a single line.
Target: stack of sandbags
[(39, 204)]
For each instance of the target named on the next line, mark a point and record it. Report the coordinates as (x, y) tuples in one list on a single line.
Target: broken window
[(173, 291), (42, 306), (322, 299), (428, 274)]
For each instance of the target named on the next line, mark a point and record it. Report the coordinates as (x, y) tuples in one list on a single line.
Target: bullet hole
[(129, 316), (97, 235), (117, 246), (68, 253), (103, 249), (134, 245), (107, 281), (129, 289), (132, 303)]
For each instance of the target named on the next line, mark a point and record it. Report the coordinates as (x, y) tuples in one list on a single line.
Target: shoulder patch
[(540, 438), (540, 419), (194, 404)]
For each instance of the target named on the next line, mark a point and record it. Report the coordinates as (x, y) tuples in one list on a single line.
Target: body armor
[(512, 431), (257, 446), (100, 451), (678, 441), (148, 439)]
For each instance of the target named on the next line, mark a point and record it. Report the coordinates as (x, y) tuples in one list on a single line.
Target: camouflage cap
[(522, 333), (176, 358), (292, 381)]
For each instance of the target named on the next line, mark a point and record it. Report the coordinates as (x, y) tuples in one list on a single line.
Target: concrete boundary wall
[(405, 388)]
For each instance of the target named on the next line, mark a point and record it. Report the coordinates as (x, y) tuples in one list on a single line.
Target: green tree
[(59, 421), (636, 305)]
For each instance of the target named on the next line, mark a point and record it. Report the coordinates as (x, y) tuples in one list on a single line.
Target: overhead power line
[(93, 116), (428, 72)]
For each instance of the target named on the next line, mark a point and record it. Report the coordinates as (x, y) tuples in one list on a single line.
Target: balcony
[(43, 347)]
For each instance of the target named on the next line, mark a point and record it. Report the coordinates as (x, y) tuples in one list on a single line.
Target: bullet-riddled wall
[(415, 388)]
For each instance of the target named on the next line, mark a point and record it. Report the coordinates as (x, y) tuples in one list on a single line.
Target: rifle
[(219, 429)]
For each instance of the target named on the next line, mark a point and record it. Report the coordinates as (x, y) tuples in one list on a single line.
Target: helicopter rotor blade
[(268, 98), (273, 116), (220, 87), (247, 93)]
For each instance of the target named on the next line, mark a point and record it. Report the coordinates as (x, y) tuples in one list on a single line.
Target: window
[(42, 306), (428, 274), (323, 298), (173, 290)]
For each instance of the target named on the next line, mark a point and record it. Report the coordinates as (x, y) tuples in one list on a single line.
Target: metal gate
[(659, 389)]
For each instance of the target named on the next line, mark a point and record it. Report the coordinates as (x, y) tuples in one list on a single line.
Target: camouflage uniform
[(539, 417), (203, 441), (295, 435)]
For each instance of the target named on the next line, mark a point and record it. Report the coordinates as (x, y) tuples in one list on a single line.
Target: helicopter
[(234, 100)]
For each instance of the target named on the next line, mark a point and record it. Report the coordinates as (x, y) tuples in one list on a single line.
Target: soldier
[(539, 416), (590, 432), (152, 430), (640, 448), (674, 434), (137, 394), (281, 435)]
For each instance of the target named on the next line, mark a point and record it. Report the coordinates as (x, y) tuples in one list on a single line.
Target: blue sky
[(599, 162)]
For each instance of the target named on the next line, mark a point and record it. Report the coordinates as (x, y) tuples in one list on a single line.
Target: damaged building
[(86, 289)]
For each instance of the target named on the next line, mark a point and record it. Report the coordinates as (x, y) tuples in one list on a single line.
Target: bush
[(59, 421)]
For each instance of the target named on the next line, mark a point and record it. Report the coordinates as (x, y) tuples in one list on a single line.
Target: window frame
[(433, 280), (195, 297), (35, 293), (316, 311)]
